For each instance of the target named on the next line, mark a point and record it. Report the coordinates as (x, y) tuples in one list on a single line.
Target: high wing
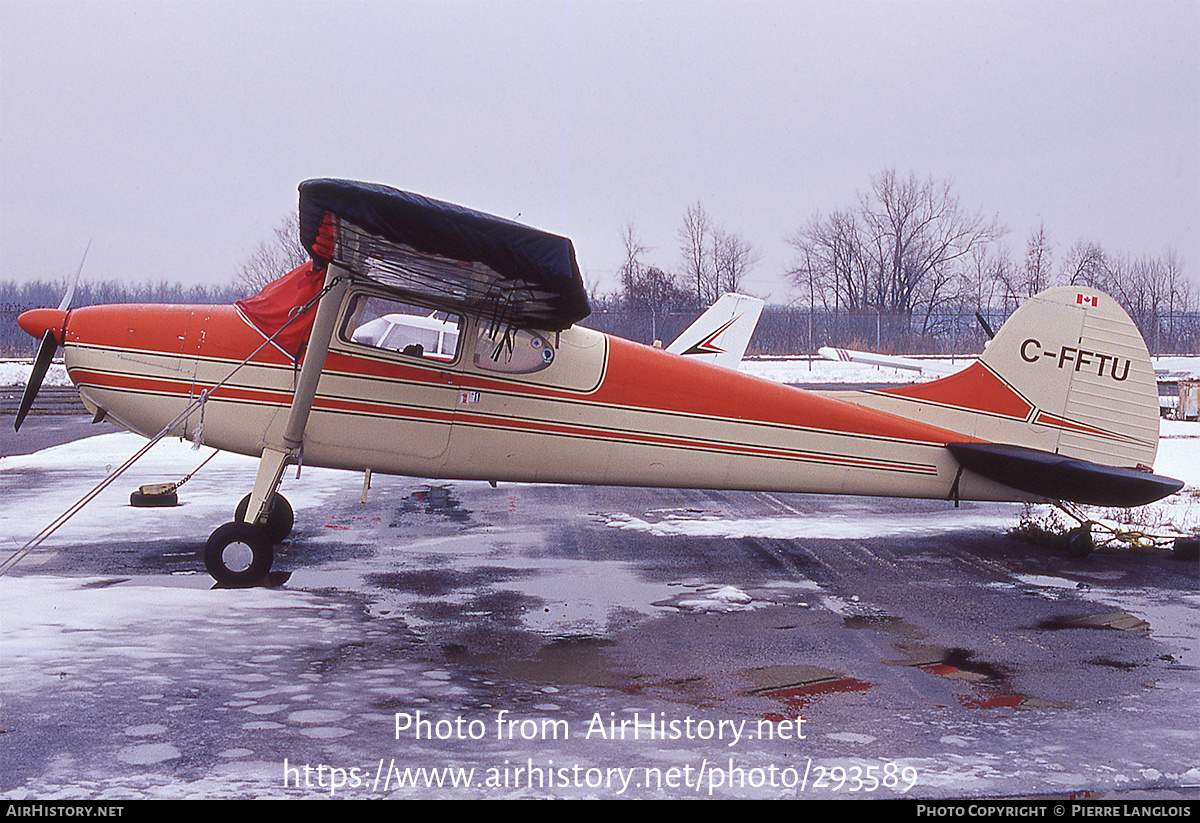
[(446, 255), (722, 334)]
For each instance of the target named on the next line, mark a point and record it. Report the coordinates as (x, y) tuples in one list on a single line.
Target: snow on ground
[(849, 525), (16, 373), (80, 628), (73, 469)]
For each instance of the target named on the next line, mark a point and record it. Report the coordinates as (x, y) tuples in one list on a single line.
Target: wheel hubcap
[(237, 557)]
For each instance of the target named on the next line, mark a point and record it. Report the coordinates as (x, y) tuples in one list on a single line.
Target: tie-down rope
[(17, 556)]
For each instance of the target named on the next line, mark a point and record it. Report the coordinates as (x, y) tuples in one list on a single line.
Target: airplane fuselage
[(597, 410)]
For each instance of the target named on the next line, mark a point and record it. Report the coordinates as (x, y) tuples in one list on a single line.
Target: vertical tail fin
[(1063, 404), (1068, 374)]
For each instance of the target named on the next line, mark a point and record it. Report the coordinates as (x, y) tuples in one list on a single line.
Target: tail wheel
[(1079, 542), (238, 554), (279, 519), (1186, 548)]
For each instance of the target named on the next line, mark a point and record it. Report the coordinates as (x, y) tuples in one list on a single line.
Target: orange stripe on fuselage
[(974, 388), (647, 378)]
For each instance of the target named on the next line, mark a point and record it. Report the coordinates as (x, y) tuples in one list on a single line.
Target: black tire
[(146, 501), (280, 518), (238, 554), (1186, 548), (1079, 542)]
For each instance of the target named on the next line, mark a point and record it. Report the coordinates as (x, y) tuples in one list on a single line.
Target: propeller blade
[(51, 321), (66, 301), (41, 363)]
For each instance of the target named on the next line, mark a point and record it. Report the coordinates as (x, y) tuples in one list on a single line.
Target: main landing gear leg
[(240, 553)]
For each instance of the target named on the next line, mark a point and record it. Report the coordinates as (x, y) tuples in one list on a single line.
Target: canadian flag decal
[(1087, 300)]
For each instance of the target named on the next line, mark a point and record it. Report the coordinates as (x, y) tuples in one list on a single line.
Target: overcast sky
[(172, 135)]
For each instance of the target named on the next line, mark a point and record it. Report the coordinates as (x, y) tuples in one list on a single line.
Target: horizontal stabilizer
[(1057, 477)]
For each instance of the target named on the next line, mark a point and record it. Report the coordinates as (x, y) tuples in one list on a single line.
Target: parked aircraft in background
[(867, 358), (721, 335), (1061, 406)]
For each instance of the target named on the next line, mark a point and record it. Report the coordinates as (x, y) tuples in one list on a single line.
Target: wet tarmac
[(449, 639)]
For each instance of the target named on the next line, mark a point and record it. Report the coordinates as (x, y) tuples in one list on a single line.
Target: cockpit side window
[(396, 326)]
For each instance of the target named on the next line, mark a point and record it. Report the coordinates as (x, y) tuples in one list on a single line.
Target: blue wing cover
[(449, 254)]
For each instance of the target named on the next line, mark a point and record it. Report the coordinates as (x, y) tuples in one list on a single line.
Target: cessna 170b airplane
[(1061, 406)]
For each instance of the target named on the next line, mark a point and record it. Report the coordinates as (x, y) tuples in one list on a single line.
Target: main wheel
[(238, 554), (280, 518)]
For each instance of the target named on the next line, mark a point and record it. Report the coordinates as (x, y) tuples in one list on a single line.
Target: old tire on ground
[(1186, 548), (141, 500)]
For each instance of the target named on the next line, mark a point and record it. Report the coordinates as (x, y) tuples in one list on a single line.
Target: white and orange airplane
[(1061, 406)]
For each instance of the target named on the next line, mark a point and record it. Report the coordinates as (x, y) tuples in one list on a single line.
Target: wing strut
[(276, 456)]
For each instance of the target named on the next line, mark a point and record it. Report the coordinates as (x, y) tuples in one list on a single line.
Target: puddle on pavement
[(430, 503), (799, 685), (1119, 621), (576, 661), (986, 684), (882, 623), (440, 582)]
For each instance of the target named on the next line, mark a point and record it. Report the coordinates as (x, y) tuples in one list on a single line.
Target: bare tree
[(645, 287), (902, 250), (918, 233), (834, 268), (715, 261), (695, 236), (984, 278), (732, 258), (1086, 265), (1182, 293), (275, 258), (631, 269), (1034, 275)]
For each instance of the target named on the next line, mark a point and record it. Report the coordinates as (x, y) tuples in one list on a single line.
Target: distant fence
[(787, 330)]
